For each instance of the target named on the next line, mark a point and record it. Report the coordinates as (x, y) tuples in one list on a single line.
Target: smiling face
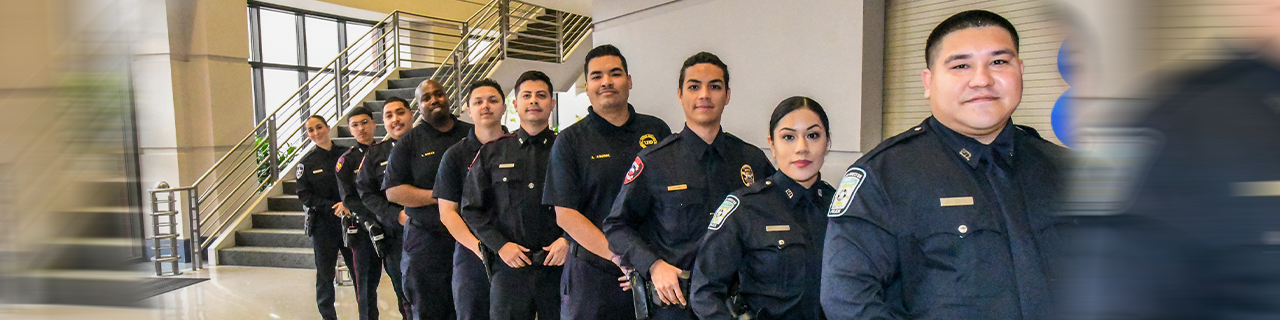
[(608, 84), (485, 106), (397, 118), (534, 102), (433, 103), (703, 94), (975, 83), (800, 145), (318, 131)]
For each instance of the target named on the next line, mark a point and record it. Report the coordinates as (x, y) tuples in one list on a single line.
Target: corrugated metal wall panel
[(908, 26)]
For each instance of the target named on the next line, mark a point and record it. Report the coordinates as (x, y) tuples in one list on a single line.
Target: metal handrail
[(352, 74)]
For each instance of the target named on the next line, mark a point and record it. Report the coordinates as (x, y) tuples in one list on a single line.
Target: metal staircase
[(243, 208)]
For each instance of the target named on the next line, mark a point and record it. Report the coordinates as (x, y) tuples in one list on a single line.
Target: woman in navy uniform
[(318, 191), (768, 237)]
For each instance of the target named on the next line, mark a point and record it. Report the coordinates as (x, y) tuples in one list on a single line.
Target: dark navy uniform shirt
[(346, 169), (369, 182), (1197, 235), (589, 160), (669, 194), (415, 161), (769, 237), (919, 231), (503, 197), (454, 166), (317, 184)]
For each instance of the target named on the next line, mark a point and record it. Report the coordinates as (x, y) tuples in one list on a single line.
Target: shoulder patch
[(726, 208), (338, 167), (848, 188), (636, 167), (299, 174)]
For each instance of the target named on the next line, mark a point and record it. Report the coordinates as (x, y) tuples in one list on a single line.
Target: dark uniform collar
[(604, 125), (972, 151), (362, 147), (436, 133), (542, 138), (795, 192), (701, 148)]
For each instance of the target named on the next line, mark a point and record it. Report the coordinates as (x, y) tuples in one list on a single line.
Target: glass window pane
[(322, 41), (277, 86), (279, 37)]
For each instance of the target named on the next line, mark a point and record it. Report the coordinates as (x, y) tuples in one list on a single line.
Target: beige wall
[(812, 48)]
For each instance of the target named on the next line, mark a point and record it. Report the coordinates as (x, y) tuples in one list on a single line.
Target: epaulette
[(1029, 130), (900, 138), (665, 142), (756, 187), (380, 142)]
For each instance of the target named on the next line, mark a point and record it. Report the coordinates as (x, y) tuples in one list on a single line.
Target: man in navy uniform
[(367, 265), (503, 203), (410, 177), (584, 175), (470, 283), (667, 197), (953, 218), (397, 118)]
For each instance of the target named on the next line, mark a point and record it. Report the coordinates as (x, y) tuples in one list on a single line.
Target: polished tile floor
[(232, 292)]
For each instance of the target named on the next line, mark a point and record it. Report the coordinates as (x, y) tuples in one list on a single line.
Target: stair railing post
[(272, 149), (459, 60), (559, 37), (504, 16), (395, 44), (340, 102), (193, 205)]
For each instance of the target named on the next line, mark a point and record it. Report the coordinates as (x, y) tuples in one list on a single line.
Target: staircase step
[(286, 238), (284, 203), (345, 132), (297, 258), (535, 47), (405, 93), (290, 186), (406, 83), (531, 57), (77, 287), (91, 253), (278, 220), (417, 73)]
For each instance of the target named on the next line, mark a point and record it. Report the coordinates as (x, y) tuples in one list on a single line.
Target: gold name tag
[(600, 156), (428, 153), (677, 187), (777, 228), (506, 165), (384, 163), (317, 171), (1256, 189), (956, 201)]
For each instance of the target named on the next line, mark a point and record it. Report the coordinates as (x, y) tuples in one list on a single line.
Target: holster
[(488, 257), (377, 236), (639, 294), (350, 227), (738, 307), (656, 300), (307, 221)]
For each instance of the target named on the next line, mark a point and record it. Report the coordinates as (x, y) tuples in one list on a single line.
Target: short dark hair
[(318, 117), (534, 75), (791, 104), (602, 51), (486, 82), (360, 111), (703, 57), (965, 20), (395, 99)]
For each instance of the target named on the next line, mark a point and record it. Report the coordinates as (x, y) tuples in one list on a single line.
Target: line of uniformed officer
[(662, 210), (320, 199), (502, 202)]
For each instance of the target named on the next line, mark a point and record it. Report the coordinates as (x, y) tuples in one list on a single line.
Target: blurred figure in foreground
[(1179, 214)]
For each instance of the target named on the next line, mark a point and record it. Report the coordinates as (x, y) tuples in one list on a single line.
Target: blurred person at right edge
[(762, 255), (954, 218), (1192, 227), (585, 172)]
